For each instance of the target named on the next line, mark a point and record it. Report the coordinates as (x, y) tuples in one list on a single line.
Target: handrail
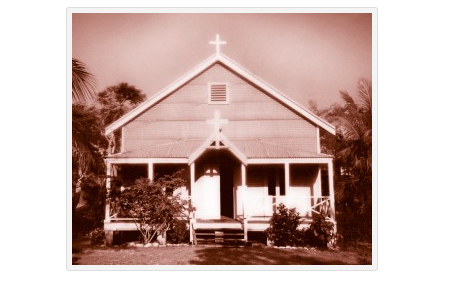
[(325, 201)]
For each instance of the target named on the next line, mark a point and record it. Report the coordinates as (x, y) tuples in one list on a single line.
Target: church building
[(244, 148)]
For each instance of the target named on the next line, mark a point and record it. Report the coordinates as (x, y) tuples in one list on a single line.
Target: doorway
[(227, 190)]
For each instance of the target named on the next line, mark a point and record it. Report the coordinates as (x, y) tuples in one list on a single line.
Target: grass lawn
[(84, 254)]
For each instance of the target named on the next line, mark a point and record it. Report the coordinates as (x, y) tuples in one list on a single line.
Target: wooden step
[(218, 236)]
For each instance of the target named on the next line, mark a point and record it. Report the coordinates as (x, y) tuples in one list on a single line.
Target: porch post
[(317, 189), (245, 214), (192, 180), (287, 178), (331, 192), (150, 171), (107, 218), (108, 235)]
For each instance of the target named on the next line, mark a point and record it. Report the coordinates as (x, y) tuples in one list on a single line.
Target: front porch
[(232, 197)]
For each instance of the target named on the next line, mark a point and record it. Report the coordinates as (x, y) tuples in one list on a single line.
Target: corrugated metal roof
[(250, 148), (265, 149), (175, 149)]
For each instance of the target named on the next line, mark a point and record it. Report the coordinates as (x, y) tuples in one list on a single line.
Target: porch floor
[(221, 223)]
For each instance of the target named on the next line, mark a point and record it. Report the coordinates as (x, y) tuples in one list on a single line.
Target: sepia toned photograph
[(222, 139)]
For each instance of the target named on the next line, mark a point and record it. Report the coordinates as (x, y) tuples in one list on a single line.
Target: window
[(218, 93)]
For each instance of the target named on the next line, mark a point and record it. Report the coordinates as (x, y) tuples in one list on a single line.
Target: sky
[(305, 56)]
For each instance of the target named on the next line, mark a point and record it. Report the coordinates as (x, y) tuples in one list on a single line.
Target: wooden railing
[(320, 205)]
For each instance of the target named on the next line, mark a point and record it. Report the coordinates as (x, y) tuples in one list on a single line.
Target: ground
[(84, 254)]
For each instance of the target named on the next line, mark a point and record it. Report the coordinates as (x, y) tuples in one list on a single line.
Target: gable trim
[(227, 145), (236, 68)]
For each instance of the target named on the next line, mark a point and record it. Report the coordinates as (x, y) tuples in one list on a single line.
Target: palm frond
[(347, 128), (83, 83), (365, 94), (349, 101)]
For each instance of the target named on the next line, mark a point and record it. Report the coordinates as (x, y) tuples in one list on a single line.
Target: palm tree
[(87, 137), (354, 127), (352, 149), (83, 83)]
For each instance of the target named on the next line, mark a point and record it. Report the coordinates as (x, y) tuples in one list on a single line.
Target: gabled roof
[(236, 68)]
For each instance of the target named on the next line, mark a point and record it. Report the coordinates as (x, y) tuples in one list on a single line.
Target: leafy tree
[(116, 101), (83, 83), (152, 205)]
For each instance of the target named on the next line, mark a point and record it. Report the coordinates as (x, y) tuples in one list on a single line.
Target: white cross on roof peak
[(217, 42)]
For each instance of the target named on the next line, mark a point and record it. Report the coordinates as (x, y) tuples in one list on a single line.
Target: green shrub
[(320, 232), (178, 232), (283, 229)]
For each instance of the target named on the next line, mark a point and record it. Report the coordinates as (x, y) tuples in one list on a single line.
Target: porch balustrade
[(319, 205)]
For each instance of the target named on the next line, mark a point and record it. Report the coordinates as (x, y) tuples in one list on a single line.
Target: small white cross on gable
[(217, 42), (217, 122)]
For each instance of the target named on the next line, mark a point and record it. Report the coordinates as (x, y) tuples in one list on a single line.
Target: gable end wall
[(251, 114)]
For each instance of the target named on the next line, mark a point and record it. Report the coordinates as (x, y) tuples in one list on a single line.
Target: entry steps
[(219, 236)]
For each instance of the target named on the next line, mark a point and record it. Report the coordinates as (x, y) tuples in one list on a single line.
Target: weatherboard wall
[(251, 114)]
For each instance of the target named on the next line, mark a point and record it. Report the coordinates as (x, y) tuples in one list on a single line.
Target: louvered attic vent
[(218, 93)]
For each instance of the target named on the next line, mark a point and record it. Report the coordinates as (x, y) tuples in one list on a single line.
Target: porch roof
[(250, 148), (265, 149)]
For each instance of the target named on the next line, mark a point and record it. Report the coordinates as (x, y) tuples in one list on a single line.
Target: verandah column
[(192, 181), (150, 171), (107, 218), (317, 189), (287, 178), (331, 191), (108, 234), (193, 178)]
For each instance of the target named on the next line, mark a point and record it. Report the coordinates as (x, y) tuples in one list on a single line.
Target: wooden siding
[(252, 114)]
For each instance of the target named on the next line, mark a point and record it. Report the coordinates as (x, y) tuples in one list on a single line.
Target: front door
[(208, 205)]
